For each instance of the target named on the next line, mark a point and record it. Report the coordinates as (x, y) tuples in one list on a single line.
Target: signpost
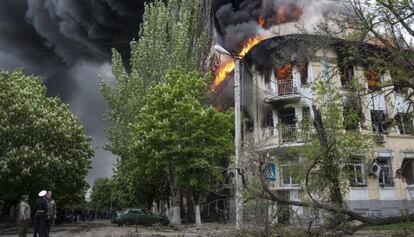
[(271, 172)]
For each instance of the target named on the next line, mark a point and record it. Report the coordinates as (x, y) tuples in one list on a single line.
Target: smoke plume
[(238, 21), (69, 43)]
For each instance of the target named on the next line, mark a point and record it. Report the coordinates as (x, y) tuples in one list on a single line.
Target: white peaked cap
[(42, 193)]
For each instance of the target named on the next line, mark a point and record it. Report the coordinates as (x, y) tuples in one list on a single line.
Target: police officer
[(40, 210)]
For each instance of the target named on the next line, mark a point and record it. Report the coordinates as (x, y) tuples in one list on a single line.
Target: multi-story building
[(282, 70)]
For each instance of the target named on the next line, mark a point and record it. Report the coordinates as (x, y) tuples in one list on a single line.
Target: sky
[(68, 44)]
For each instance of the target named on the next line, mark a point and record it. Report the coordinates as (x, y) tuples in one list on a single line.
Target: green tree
[(173, 34), (179, 138), (102, 195), (42, 145)]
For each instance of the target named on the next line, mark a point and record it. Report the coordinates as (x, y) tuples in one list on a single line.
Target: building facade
[(282, 70)]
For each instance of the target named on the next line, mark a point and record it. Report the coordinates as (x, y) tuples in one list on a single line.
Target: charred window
[(380, 124), (405, 123), (347, 75), (303, 68), (284, 72), (374, 80), (284, 80)]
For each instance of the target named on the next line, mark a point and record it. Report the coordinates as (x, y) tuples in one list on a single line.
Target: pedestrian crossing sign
[(271, 172)]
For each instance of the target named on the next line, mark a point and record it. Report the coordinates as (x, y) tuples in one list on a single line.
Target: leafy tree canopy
[(42, 144)]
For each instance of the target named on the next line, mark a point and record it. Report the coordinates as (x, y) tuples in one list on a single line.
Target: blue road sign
[(271, 172)]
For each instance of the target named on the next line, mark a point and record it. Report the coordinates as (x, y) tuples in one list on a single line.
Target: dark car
[(139, 216)]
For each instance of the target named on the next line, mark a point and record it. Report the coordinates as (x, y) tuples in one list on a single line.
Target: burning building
[(277, 76)]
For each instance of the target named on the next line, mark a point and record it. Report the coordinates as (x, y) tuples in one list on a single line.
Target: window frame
[(292, 181), (402, 123), (353, 175), (383, 177)]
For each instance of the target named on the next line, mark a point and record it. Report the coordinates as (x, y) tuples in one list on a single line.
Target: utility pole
[(237, 134), (237, 141)]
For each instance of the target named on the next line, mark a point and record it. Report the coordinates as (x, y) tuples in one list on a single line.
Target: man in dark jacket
[(40, 210)]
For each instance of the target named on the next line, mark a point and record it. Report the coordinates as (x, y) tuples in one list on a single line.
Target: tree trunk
[(329, 169), (175, 198), (197, 209)]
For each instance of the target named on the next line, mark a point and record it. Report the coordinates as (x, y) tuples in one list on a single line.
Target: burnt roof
[(279, 50)]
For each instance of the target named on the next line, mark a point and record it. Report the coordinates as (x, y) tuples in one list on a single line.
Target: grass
[(400, 226)]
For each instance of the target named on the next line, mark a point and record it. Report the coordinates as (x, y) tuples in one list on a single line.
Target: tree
[(173, 34), (389, 25), (177, 137), (42, 145), (102, 195)]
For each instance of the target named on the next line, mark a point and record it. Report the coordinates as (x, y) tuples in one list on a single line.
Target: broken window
[(407, 169), (374, 80), (405, 123), (303, 68), (380, 124), (356, 172), (385, 177)]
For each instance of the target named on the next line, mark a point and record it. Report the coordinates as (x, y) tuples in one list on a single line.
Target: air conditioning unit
[(381, 138), (376, 169)]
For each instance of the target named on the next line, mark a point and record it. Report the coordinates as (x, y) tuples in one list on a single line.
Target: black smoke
[(68, 43), (237, 21)]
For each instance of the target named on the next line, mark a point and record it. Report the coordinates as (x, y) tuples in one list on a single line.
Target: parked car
[(139, 216)]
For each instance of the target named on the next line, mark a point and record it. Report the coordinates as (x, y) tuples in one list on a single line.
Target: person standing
[(51, 212), (23, 219), (40, 210)]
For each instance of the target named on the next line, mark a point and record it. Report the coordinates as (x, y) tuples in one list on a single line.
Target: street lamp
[(237, 133)]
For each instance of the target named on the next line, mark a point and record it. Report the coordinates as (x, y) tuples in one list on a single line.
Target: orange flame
[(285, 14), (226, 68), (284, 72), (261, 22)]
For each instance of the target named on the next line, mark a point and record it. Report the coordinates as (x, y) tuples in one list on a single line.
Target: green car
[(139, 216)]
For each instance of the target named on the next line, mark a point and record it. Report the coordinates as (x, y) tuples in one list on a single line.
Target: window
[(374, 80), (407, 170), (347, 75), (306, 114), (405, 123), (379, 122), (303, 68), (385, 178), (287, 178), (356, 173), (351, 117)]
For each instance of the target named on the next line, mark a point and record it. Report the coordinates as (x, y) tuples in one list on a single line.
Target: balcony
[(284, 135), (285, 90)]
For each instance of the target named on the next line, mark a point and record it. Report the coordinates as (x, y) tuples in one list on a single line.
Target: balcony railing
[(285, 87), (285, 134)]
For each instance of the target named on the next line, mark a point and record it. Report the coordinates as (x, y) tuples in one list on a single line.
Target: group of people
[(44, 214)]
